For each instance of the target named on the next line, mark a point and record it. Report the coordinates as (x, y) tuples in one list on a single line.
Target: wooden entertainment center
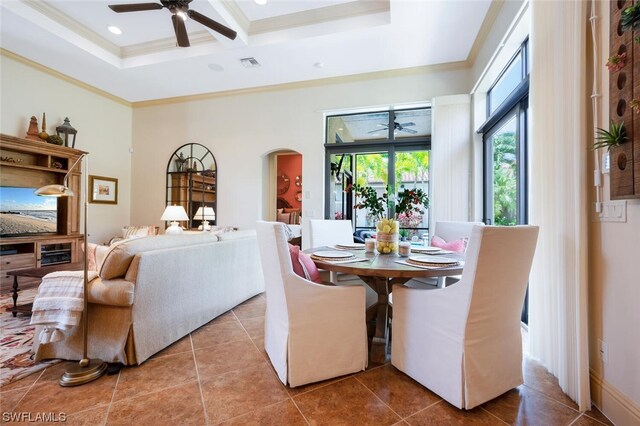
[(33, 164)]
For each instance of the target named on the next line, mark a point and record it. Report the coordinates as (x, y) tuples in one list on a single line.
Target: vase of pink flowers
[(387, 209)]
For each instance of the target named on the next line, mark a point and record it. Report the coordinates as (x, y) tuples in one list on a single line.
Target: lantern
[(66, 129)]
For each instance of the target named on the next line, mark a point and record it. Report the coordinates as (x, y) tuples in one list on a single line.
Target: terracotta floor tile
[(259, 343), (443, 413), (239, 392), (155, 374), (537, 377), (254, 326), (9, 399), (282, 413), (227, 357), (218, 333), (181, 346), (93, 417), (56, 371), (179, 405), (404, 395), (257, 299), (526, 406), (48, 396), (586, 421), (596, 414), (311, 386), (347, 402), (252, 310), (24, 382)]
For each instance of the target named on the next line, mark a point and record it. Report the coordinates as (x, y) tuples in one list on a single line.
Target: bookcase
[(32, 164)]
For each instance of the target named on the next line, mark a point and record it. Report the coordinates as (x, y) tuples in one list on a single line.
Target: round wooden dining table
[(381, 272)]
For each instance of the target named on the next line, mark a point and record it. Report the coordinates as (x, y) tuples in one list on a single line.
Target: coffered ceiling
[(291, 41)]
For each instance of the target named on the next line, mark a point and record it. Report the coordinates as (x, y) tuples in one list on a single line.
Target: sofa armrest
[(116, 292)]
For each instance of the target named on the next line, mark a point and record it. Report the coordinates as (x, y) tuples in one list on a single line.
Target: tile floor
[(220, 374)]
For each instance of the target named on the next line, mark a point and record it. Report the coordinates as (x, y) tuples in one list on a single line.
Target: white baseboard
[(612, 403)]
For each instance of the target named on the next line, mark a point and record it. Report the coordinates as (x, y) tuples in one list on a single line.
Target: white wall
[(103, 124), (614, 285), (240, 129)]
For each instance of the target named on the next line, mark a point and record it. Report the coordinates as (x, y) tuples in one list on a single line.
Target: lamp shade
[(205, 213), (174, 213), (54, 190)]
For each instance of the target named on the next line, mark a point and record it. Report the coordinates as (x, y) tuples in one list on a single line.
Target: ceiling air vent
[(249, 62)]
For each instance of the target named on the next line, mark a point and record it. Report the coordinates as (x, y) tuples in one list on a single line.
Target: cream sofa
[(152, 291)]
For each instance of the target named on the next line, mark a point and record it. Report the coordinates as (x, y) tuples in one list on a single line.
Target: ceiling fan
[(401, 127), (179, 12)]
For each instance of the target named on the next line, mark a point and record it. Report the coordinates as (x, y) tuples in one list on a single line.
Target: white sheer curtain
[(450, 164), (559, 146)]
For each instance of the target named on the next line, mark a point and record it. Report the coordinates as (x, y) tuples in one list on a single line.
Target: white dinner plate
[(354, 246), (426, 250), (332, 254), (433, 259)]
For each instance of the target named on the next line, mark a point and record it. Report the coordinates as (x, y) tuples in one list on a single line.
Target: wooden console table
[(36, 273)]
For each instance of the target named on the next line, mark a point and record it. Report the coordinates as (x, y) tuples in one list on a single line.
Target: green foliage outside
[(505, 171)]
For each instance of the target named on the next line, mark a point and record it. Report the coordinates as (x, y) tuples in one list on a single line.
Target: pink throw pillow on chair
[(303, 265), (457, 246)]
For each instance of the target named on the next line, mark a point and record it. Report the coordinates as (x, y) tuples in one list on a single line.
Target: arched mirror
[(283, 183), (192, 176)]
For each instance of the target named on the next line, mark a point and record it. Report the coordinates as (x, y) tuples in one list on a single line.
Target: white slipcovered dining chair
[(313, 332), (329, 233), (448, 231), (463, 342)]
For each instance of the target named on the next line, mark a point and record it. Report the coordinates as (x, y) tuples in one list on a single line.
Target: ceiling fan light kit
[(179, 13)]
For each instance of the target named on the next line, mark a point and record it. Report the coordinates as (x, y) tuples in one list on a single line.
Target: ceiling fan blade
[(378, 130), (181, 31), (215, 26), (411, 131), (138, 7), (411, 123)]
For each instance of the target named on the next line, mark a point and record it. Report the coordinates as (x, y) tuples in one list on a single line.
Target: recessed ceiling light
[(216, 67), (115, 30), (260, 2)]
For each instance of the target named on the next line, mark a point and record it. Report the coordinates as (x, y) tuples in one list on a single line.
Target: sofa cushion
[(139, 231), (120, 254), (116, 292)]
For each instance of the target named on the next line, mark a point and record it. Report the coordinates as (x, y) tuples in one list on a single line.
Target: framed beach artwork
[(103, 190)]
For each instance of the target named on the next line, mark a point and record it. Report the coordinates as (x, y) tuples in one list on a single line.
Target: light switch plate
[(612, 211)]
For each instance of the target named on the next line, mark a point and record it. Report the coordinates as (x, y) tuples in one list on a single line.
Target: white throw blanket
[(59, 303)]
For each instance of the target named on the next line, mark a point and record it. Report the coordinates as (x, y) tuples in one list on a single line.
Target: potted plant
[(630, 18), (407, 202), (617, 62), (616, 135)]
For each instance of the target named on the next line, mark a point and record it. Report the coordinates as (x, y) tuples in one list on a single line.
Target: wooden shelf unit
[(624, 85), (192, 190), (32, 164)]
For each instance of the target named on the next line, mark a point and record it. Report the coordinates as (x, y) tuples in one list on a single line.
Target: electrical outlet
[(611, 211), (604, 351)]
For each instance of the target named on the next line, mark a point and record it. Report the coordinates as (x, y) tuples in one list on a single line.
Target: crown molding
[(72, 25), (61, 76), (404, 72), (485, 29), (318, 16), (165, 44)]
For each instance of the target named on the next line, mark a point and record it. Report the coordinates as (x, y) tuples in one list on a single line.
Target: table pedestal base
[(380, 341)]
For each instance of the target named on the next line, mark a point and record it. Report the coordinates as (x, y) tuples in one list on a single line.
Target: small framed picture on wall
[(103, 190)]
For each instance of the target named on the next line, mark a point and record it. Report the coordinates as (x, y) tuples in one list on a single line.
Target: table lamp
[(205, 214), (87, 369), (174, 214)]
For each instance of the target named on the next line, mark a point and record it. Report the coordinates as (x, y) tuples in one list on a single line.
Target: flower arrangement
[(404, 205), (617, 62), (635, 105)]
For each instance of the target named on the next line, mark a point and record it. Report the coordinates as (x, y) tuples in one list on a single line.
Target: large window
[(388, 149), (505, 148)]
